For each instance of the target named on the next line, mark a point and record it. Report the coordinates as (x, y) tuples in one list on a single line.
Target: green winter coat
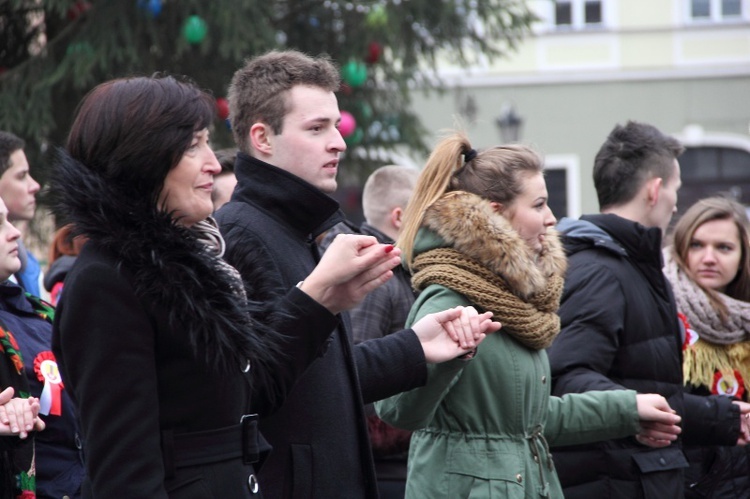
[(484, 426)]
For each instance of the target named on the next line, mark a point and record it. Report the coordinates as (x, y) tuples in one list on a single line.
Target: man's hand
[(454, 332)]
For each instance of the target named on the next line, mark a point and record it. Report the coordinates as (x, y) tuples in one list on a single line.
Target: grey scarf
[(693, 302), (207, 232)]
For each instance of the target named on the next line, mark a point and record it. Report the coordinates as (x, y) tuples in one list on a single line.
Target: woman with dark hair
[(478, 231), (708, 264), (168, 362)]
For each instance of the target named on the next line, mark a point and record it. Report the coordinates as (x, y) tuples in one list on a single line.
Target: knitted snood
[(533, 322)]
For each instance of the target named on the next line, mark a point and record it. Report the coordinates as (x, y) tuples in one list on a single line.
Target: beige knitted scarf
[(489, 263), (723, 346), (533, 322)]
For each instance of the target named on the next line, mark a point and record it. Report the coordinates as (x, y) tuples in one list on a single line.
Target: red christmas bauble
[(373, 52), (222, 108), (77, 9)]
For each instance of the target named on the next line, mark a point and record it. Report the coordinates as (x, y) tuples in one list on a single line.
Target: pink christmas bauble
[(348, 124)]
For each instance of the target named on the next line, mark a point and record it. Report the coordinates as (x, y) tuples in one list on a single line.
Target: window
[(708, 170), (561, 173), (715, 10), (593, 12), (563, 14), (701, 9), (731, 8), (578, 14), (557, 188)]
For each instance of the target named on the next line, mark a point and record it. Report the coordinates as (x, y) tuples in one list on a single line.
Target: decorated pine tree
[(53, 51)]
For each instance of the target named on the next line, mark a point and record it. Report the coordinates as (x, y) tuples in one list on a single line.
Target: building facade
[(681, 65)]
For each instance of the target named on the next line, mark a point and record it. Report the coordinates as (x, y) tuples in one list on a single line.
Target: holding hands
[(352, 266), (658, 421), (454, 332), (18, 416), (744, 422)]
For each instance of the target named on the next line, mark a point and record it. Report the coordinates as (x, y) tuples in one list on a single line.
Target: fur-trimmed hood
[(172, 272), (467, 223)]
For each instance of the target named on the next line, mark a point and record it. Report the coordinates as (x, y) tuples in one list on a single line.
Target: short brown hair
[(631, 155), (258, 91), (387, 188), (9, 143)]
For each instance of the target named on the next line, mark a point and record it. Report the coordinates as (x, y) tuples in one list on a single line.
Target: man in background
[(225, 181), (18, 190), (619, 325)]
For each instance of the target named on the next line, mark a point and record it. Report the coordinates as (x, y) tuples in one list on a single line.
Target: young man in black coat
[(619, 322), (285, 121)]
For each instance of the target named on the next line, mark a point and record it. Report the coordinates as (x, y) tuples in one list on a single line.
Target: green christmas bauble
[(195, 29), (78, 49), (355, 138), (365, 110), (354, 73), (377, 17)]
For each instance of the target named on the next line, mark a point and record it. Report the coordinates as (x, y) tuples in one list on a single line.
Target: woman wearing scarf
[(478, 231), (709, 267)]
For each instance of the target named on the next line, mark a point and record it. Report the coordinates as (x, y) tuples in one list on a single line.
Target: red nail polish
[(389, 248)]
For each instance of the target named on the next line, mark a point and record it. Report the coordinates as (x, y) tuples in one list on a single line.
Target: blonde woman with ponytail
[(478, 231)]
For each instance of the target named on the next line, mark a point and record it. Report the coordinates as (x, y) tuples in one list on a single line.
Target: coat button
[(662, 461), (536, 459), (246, 369), (519, 478), (79, 444), (544, 380), (252, 484)]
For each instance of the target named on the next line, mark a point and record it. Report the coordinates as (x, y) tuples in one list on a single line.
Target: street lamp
[(509, 122)]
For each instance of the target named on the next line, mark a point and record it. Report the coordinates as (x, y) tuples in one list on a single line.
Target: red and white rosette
[(45, 367), (728, 384), (690, 335)]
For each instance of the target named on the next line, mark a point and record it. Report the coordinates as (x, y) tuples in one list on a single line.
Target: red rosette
[(690, 335), (47, 372), (728, 384)]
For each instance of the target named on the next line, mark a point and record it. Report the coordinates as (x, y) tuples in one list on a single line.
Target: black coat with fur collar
[(152, 341)]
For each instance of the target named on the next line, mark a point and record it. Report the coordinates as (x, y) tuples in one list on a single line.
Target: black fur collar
[(170, 267)]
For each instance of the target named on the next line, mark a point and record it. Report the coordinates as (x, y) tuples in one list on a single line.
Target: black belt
[(210, 446)]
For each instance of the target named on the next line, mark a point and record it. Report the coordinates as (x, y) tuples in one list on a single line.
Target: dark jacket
[(55, 276), (59, 455), (321, 448), (382, 312), (16, 455), (716, 472), (159, 352), (620, 330)]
